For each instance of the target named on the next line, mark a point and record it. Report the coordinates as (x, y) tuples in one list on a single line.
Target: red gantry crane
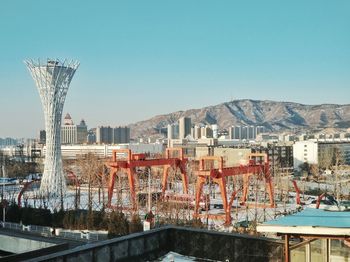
[(174, 157), (219, 173)]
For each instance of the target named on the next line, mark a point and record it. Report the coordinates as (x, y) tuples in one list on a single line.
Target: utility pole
[(149, 190), (3, 196)]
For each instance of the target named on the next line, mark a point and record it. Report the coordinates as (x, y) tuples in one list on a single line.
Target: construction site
[(211, 192), (174, 188)]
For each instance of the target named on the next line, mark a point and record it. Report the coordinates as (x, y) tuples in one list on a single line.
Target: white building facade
[(74, 134), (305, 152)]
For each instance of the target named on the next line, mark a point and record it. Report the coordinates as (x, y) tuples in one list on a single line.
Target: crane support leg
[(165, 179), (270, 192), (184, 180), (132, 187), (199, 186), (112, 176), (222, 184), (245, 188)]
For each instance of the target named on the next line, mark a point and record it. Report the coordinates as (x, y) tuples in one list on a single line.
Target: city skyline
[(137, 56)]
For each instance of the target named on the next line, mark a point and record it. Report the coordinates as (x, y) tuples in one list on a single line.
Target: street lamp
[(3, 201)]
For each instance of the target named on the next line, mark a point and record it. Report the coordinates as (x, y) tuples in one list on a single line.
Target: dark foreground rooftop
[(151, 245)]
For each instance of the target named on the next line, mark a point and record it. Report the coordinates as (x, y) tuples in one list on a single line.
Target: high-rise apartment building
[(215, 130), (173, 131), (82, 132), (235, 132), (260, 129), (184, 127), (104, 135), (73, 134), (251, 132), (197, 132), (206, 131), (109, 135), (245, 132), (42, 137), (8, 141), (121, 135), (91, 137)]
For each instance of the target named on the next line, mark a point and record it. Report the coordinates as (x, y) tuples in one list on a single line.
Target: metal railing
[(86, 235), (12, 226)]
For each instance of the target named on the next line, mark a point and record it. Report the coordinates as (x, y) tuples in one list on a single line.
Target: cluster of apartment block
[(112, 135), (183, 127), (245, 132), (72, 134), (287, 150), (8, 141)]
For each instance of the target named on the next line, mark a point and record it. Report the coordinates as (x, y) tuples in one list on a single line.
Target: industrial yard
[(178, 189)]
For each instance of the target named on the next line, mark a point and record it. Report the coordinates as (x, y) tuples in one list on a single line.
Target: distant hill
[(275, 116)]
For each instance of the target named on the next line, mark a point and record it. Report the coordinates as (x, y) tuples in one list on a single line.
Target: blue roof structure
[(314, 217), (310, 222)]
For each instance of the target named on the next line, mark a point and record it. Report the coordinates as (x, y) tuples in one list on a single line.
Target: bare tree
[(338, 160), (331, 158), (314, 170), (326, 157), (91, 170)]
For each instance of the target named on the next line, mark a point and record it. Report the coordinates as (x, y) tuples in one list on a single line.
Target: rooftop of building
[(310, 221), (153, 245)]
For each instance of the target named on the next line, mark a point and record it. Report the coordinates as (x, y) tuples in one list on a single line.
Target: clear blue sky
[(142, 58)]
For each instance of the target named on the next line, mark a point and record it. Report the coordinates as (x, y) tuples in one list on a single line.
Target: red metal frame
[(218, 175), (320, 197), (72, 177), (297, 190), (24, 188), (131, 161)]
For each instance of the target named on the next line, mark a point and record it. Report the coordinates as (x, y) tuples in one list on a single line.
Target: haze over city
[(140, 59)]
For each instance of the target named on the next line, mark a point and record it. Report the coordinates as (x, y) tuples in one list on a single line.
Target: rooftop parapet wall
[(186, 241)]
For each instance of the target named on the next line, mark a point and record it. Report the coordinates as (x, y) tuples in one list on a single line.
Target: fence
[(85, 235)]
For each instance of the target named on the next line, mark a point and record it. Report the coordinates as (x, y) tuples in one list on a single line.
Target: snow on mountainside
[(275, 116)]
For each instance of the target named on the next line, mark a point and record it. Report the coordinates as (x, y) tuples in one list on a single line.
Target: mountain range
[(274, 116)]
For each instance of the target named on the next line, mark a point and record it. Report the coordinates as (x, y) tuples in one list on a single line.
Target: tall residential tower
[(52, 78), (184, 127)]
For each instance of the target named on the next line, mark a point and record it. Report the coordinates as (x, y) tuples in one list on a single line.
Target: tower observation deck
[(52, 79)]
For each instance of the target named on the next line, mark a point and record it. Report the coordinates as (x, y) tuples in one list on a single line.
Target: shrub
[(13, 213), (135, 224), (40, 217), (117, 225), (69, 220), (57, 218), (99, 220), (81, 221), (26, 215)]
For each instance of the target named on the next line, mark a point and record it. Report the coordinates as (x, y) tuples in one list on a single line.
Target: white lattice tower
[(52, 79)]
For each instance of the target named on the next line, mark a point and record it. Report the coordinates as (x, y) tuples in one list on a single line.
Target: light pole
[(149, 190), (3, 192)]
